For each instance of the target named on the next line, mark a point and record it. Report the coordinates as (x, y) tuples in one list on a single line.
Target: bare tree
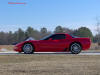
[(98, 25), (97, 37)]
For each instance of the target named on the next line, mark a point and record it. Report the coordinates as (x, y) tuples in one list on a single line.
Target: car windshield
[(46, 37), (73, 36)]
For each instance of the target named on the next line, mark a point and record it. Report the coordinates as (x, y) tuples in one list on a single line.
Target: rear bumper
[(86, 46)]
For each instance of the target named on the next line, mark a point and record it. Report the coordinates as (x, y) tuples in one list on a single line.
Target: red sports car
[(54, 43)]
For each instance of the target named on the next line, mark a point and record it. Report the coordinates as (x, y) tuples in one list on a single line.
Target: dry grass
[(49, 64), (94, 46), (8, 47)]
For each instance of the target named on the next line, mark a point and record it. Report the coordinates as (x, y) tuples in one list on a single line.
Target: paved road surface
[(82, 53)]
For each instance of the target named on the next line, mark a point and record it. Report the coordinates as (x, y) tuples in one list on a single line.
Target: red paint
[(55, 45)]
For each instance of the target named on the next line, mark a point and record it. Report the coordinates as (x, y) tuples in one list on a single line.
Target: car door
[(59, 42), (54, 43)]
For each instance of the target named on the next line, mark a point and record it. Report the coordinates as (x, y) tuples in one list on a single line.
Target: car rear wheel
[(75, 48), (28, 48)]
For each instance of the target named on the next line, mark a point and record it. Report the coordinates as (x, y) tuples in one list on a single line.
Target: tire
[(75, 48), (28, 48)]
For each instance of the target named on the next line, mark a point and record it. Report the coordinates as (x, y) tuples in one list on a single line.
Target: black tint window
[(47, 37), (73, 36), (59, 36)]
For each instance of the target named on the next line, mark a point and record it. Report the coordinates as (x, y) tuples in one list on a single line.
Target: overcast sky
[(48, 13)]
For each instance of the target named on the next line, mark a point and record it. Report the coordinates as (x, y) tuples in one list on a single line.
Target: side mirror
[(50, 38)]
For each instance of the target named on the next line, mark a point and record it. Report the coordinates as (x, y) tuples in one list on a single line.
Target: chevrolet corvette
[(54, 43)]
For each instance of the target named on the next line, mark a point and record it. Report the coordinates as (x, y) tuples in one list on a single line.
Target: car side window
[(48, 37), (58, 36)]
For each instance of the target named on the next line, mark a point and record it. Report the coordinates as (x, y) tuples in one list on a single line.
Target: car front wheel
[(75, 48), (28, 48)]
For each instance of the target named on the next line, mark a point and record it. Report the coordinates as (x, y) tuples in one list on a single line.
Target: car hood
[(21, 43)]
